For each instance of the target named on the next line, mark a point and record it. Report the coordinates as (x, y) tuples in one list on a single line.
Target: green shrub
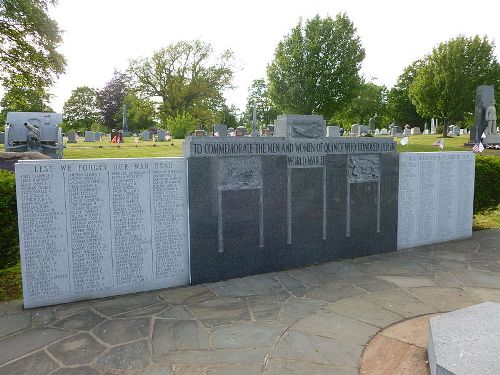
[(487, 183), (181, 125), (9, 239)]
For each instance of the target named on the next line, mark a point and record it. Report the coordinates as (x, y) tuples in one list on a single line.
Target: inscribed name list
[(435, 199), (96, 228)]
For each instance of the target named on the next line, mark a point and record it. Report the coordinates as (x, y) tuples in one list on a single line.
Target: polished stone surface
[(288, 322)]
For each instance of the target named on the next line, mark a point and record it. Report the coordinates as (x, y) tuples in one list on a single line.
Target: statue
[(33, 135), (371, 123), (490, 117)]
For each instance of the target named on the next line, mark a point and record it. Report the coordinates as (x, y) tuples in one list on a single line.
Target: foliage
[(181, 125), (81, 110), (371, 99), (185, 77), (316, 67), (110, 99), (229, 116), (487, 183), (258, 93), (9, 251), (21, 97), (29, 39), (141, 112), (11, 287), (399, 106), (445, 81)]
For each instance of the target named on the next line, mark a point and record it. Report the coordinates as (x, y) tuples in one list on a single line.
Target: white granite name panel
[(103, 227), (435, 199)]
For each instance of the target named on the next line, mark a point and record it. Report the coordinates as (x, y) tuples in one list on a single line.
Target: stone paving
[(314, 320)]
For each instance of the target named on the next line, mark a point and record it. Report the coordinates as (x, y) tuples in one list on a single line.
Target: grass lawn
[(10, 283)]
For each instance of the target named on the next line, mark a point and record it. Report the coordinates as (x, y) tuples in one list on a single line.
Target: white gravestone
[(436, 193), (96, 228)]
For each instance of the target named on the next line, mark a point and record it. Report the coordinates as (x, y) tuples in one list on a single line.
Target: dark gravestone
[(484, 96), (266, 204)]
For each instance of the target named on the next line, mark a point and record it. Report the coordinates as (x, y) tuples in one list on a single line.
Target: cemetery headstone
[(415, 130), (200, 133), (384, 131), (406, 131), (436, 191), (332, 131), (241, 131), (161, 135), (146, 135), (377, 131), (265, 132), (306, 198), (220, 129), (433, 126), (71, 136), (485, 95), (89, 136), (271, 128)]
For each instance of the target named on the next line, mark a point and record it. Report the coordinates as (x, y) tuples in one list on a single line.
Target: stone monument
[(220, 129), (146, 135), (485, 95), (71, 136), (161, 135), (89, 136), (332, 131), (306, 198)]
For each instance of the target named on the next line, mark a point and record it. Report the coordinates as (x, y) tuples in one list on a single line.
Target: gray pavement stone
[(364, 311), (11, 307), (82, 370), (175, 335), (484, 294), (372, 284), (264, 310), (247, 356), (486, 267), (120, 305), (175, 312), (332, 325), (297, 308), (156, 370), (14, 322), (400, 302), (120, 331), (82, 320), (23, 343), (187, 295), (232, 370), (68, 309), (221, 311), (395, 267), (279, 367), (76, 350), (310, 276), (38, 363), (144, 311), (132, 356), (42, 317), (246, 335), (259, 285), (443, 299), (409, 281), (333, 291), (300, 347), (480, 279), (293, 286), (344, 270)]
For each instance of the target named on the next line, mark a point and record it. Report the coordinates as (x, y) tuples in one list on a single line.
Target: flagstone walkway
[(314, 320)]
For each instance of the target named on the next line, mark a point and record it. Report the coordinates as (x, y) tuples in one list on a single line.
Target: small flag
[(439, 143), (114, 140), (168, 138), (136, 140), (478, 147), (216, 134), (404, 141), (483, 136), (232, 134)]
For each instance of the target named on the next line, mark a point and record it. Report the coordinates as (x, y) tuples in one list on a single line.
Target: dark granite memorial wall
[(265, 204)]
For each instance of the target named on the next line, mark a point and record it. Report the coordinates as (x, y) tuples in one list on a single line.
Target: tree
[(399, 106), (181, 125), (316, 67), (445, 82), (229, 116), (141, 112), (371, 99), (110, 99), (258, 93), (185, 77), (81, 110), (29, 39), (21, 97)]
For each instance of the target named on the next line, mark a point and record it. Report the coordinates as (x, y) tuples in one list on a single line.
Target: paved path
[(314, 320)]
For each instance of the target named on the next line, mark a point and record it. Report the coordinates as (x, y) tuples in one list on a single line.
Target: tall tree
[(29, 39), (445, 82), (110, 99), (258, 93), (399, 105), (141, 112), (316, 67), (81, 110), (371, 99), (185, 77)]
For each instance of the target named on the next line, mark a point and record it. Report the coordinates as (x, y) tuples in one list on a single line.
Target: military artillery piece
[(34, 131)]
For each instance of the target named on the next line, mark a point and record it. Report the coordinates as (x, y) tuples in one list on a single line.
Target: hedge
[(487, 183), (486, 197), (9, 239)]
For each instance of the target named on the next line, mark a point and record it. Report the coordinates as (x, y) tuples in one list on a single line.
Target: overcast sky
[(102, 35)]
